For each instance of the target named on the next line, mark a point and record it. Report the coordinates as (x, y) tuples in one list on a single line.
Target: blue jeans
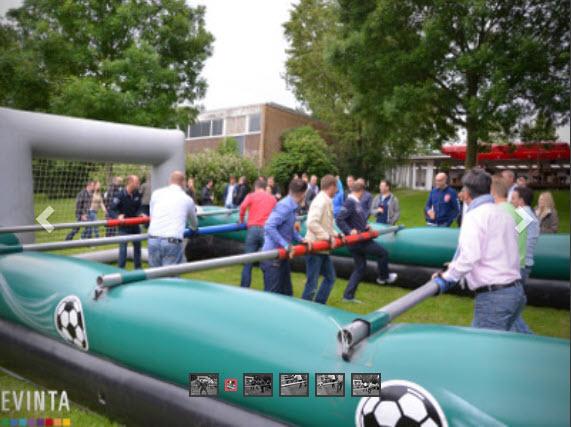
[(519, 324), (277, 276), (110, 231), (254, 242), (92, 229), (123, 247), (75, 230), (162, 252), (359, 253), (316, 265), (499, 309)]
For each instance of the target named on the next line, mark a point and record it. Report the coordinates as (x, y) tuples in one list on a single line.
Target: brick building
[(257, 128)]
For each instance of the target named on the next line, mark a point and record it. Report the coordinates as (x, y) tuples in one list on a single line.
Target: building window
[(254, 123), (235, 125), (241, 143), (206, 128), (217, 126), (200, 129)]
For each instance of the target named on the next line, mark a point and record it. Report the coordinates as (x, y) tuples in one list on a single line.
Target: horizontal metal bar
[(413, 298), (103, 222), (58, 226), (102, 241), (361, 328), (110, 280)]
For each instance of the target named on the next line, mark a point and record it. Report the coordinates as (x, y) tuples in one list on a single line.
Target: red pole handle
[(127, 221), (324, 245)]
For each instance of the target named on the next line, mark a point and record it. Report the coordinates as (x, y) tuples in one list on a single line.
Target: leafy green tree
[(304, 150), (423, 71), (542, 129), (230, 146), (211, 164), (312, 26), (130, 61)]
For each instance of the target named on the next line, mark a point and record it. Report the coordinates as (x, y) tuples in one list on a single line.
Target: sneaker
[(353, 300), (391, 279)]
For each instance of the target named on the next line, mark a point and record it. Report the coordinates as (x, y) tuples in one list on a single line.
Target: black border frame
[(331, 373), (204, 374), (251, 374), (295, 373), (365, 373)]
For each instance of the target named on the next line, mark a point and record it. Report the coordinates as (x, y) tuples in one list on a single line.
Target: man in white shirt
[(488, 257), (321, 226), (171, 207), (228, 196)]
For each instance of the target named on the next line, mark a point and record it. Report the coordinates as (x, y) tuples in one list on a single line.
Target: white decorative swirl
[(37, 314)]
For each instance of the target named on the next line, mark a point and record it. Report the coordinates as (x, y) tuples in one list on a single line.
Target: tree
[(129, 61), (542, 129), (303, 151), (211, 164), (229, 145), (312, 27), (423, 71)]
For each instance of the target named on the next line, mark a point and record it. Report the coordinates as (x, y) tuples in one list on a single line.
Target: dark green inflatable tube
[(167, 328), (432, 247)]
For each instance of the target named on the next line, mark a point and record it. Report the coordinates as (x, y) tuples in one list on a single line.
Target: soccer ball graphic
[(70, 323), (402, 404)]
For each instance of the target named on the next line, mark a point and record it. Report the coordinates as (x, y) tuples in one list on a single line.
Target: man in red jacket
[(259, 205)]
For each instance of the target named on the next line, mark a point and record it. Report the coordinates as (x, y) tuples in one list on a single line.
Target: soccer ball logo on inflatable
[(402, 404), (70, 323)]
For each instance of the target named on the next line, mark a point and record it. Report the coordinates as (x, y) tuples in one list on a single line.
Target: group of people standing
[(498, 234), (273, 224), (445, 205)]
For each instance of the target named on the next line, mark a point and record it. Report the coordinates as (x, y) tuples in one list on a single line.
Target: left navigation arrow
[(43, 219)]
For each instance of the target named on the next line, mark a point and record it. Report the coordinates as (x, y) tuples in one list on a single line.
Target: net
[(57, 184)]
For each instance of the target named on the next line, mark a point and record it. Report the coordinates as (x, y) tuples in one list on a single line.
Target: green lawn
[(78, 415)]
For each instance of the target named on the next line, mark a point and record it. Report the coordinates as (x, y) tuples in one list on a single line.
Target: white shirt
[(230, 195), (488, 252), (170, 209)]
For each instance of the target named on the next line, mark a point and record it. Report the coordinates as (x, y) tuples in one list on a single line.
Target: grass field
[(446, 309)]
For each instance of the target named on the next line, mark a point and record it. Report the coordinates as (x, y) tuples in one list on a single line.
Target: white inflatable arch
[(24, 135)]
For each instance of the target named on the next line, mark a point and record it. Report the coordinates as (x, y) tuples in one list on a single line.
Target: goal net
[(58, 182)]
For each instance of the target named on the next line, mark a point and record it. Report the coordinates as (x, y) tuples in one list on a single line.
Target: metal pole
[(101, 241), (111, 280), (51, 246), (361, 328), (102, 222)]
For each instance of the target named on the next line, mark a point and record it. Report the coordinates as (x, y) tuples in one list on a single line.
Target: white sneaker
[(391, 279)]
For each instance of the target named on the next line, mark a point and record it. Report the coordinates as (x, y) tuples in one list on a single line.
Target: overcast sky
[(249, 52)]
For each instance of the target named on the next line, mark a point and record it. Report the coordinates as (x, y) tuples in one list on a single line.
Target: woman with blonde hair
[(546, 213), (96, 205)]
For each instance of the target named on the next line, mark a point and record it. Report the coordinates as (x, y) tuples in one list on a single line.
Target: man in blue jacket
[(280, 232), (352, 219), (442, 206)]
